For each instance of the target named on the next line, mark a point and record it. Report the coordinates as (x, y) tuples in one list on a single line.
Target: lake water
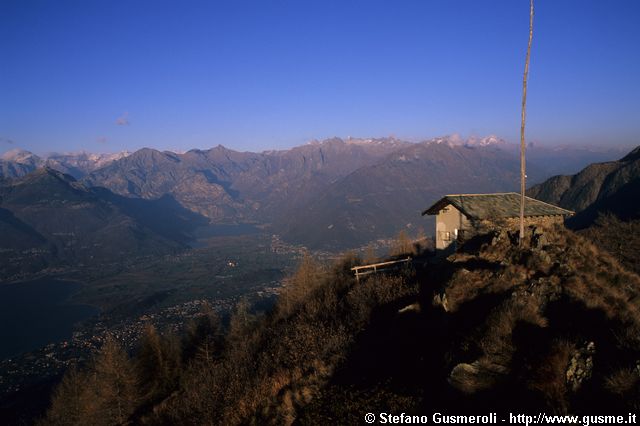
[(211, 231), (35, 313)]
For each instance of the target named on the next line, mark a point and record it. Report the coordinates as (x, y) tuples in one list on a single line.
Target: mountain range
[(611, 187), (49, 218), (18, 162), (332, 194), (511, 310), (605, 198), (231, 186)]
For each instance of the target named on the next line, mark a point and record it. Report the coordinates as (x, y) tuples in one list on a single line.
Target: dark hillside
[(606, 198), (48, 218), (595, 187), (550, 327), (150, 174), (620, 238)]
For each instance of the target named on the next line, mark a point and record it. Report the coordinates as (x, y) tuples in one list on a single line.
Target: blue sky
[(253, 75)]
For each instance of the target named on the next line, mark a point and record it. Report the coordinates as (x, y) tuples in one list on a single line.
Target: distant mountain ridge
[(610, 187), (336, 193), (606, 198), (49, 218), (386, 197), (18, 162), (231, 186)]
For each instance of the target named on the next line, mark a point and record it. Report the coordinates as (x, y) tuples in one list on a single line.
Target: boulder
[(580, 366)]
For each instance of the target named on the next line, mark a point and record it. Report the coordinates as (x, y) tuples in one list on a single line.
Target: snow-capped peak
[(485, 141), (18, 155), (456, 140), (451, 140)]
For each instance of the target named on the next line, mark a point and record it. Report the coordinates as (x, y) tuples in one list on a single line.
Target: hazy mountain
[(381, 199), (285, 180), (196, 181), (334, 193), (546, 160), (472, 141), (555, 160), (605, 197), (18, 162), (49, 216), (612, 186), (231, 186), (80, 164)]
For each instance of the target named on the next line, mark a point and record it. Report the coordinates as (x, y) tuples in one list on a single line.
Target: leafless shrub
[(402, 245), (105, 393), (307, 278)]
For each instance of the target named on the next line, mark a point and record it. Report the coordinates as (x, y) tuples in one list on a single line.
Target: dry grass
[(622, 381), (620, 239), (509, 326), (549, 377), (403, 245), (307, 278), (586, 273), (525, 282), (496, 340), (272, 367)]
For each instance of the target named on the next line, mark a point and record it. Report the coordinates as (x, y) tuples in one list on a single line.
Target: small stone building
[(459, 214)]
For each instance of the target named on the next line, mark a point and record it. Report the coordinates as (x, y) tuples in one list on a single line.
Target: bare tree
[(524, 114)]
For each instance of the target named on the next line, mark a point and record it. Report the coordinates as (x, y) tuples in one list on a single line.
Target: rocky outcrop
[(580, 366)]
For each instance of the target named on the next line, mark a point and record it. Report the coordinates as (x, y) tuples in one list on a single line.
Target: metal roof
[(500, 205)]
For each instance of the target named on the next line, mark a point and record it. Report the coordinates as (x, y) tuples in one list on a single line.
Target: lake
[(211, 231), (35, 313)]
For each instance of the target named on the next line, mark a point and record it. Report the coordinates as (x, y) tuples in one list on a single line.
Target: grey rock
[(580, 366)]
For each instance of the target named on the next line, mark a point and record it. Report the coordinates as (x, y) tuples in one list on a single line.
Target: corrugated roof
[(501, 205)]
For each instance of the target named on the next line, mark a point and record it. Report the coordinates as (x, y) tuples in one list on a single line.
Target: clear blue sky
[(107, 75)]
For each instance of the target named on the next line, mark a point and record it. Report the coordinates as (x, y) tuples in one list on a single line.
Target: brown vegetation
[(620, 238), (540, 303), (552, 325), (106, 393), (263, 369), (402, 245)]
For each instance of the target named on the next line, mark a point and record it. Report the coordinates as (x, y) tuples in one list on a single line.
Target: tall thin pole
[(523, 175)]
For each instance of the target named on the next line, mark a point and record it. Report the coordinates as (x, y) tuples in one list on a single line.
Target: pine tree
[(206, 331), (71, 401), (157, 364), (104, 394), (241, 321), (113, 381), (402, 245), (306, 279)]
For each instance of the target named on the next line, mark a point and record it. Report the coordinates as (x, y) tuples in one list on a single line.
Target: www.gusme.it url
[(494, 418)]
